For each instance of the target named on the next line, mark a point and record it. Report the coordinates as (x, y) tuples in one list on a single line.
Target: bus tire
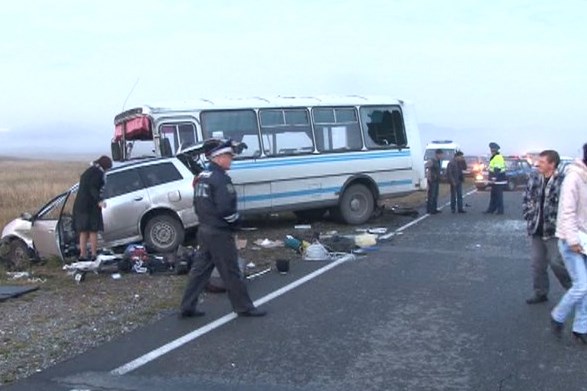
[(356, 204), (163, 233)]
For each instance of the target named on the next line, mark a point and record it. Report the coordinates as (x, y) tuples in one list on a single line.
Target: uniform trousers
[(496, 199), (217, 248)]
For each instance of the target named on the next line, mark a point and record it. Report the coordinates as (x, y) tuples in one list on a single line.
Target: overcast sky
[(512, 71)]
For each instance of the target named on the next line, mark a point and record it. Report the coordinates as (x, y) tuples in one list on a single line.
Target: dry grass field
[(25, 185)]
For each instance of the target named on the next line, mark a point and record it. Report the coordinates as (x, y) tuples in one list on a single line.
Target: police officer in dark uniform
[(215, 204)]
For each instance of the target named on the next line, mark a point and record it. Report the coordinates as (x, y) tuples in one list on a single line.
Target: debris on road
[(10, 291), (266, 243), (366, 240)]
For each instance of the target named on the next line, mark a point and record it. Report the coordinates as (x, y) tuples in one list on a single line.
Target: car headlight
[(479, 177)]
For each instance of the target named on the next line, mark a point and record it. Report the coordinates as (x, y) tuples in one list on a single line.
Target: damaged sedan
[(149, 201)]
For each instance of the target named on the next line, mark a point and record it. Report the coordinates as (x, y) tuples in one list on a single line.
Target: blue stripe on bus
[(314, 159), (297, 193)]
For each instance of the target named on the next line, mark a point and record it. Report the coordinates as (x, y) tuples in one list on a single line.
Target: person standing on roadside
[(571, 229), (540, 208), (433, 167), (87, 208), (454, 173), (215, 203), (498, 180)]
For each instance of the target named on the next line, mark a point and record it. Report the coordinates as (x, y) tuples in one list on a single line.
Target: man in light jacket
[(571, 227), (540, 209)]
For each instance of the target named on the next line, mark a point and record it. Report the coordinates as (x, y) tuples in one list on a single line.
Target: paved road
[(439, 308)]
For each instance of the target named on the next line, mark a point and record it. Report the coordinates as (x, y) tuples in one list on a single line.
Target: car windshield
[(448, 153), (511, 164)]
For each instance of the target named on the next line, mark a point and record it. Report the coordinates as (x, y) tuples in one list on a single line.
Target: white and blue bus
[(305, 154)]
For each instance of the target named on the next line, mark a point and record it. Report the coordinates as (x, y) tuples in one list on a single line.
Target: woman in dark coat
[(87, 208)]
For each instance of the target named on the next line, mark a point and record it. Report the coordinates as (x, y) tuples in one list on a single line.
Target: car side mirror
[(26, 216)]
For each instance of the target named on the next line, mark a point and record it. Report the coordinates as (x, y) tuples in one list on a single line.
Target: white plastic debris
[(18, 275), (266, 243), (366, 240)]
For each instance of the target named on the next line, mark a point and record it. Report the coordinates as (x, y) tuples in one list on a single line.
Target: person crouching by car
[(87, 208), (433, 167), (455, 176), (540, 208)]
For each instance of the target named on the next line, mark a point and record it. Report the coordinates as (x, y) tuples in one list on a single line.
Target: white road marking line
[(156, 353)]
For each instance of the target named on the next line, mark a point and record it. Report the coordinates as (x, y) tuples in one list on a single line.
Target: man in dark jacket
[(540, 209), (454, 174), (215, 203), (433, 167)]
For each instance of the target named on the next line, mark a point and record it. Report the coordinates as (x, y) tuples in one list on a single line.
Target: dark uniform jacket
[(433, 170), (215, 200), (540, 205), (454, 171)]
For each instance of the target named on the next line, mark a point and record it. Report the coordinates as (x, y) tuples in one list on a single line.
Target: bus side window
[(383, 127), (239, 125), (286, 132), (337, 129)]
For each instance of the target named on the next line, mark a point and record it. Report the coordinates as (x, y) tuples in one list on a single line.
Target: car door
[(169, 189), (126, 201), (44, 227)]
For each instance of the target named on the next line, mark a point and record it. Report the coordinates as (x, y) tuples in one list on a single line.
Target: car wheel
[(163, 234), (310, 214), (356, 204), (19, 255), (511, 185)]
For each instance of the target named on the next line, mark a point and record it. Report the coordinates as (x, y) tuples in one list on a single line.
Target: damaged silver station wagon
[(147, 200)]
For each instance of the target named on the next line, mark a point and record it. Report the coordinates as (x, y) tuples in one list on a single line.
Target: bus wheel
[(356, 204), (310, 214)]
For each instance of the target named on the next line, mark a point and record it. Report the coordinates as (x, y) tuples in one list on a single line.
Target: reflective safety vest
[(497, 169)]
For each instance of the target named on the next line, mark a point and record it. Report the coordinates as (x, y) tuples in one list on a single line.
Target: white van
[(448, 147)]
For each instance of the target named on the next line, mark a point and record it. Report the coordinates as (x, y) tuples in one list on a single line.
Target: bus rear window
[(383, 127)]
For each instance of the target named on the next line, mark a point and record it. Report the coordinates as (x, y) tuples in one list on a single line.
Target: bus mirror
[(165, 148), (116, 151)]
